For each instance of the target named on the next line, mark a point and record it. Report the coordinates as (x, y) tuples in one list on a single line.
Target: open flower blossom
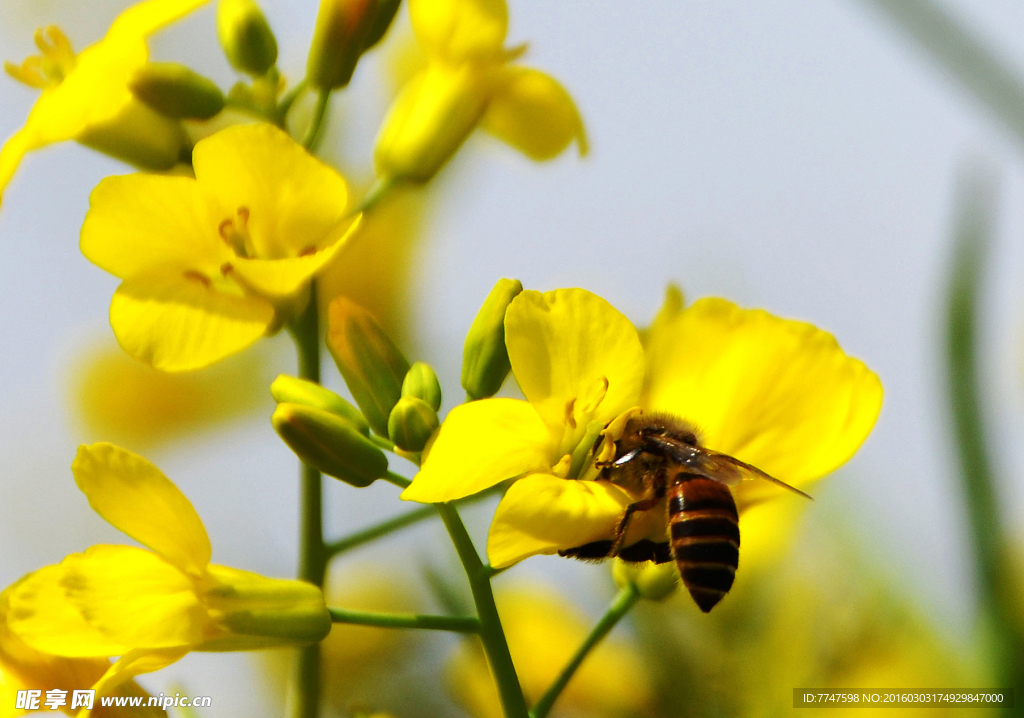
[(85, 97), (211, 264), (469, 80), (778, 394), (152, 607)]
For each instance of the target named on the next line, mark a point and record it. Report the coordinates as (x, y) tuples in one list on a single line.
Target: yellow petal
[(576, 358), (11, 153), (775, 393), (41, 615), (294, 200), (541, 514), (135, 497), (144, 18), (140, 222), (278, 278), (135, 597), (481, 444), (134, 663), (532, 112), (176, 322), (458, 30)]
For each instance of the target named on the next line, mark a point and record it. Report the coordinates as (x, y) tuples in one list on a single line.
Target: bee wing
[(715, 466)]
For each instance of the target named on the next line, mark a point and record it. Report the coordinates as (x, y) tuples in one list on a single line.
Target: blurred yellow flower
[(211, 264), (23, 668), (543, 633), (775, 393), (153, 607), (129, 403), (85, 97), (469, 80)]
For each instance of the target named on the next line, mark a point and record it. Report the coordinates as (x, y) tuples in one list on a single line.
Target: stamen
[(598, 397), (308, 251), (570, 417), (235, 232), (199, 277), (226, 268)]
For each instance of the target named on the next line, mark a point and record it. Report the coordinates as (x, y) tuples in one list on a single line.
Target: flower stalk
[(625, 600), (491, 633), (457, 624), (313, 553)]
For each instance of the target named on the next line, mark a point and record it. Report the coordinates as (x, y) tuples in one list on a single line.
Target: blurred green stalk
[(981, 70), (972, 240)]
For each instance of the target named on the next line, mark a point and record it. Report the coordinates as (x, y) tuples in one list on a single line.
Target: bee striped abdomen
[(705, 535)]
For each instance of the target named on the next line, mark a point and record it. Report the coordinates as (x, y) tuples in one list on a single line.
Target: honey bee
[(661, 455)]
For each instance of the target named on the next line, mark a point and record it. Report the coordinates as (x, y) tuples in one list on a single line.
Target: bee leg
[(642, 505)]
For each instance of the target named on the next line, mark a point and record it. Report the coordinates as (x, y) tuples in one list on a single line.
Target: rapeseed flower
[(152, 607), (211, 264), (86, 97), (468, 81), (778, 394)]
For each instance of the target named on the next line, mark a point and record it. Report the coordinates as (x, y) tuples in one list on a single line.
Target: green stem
[(323, 98), (491, 634), (312, 551), (625, 600), (983, 72), (973, 236), (396, 479), (287, 100), (458, 624), (391, 525), (375, 194)]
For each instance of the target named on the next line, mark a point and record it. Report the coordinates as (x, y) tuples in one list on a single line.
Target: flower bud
[(290, 390), (342, 27), (485, 361), (421, 382), (386, 10), (412, 423), (246, 37), (254, 611), (429, 120), (140, 136), (370, 363), (655, 581), (176, 91), (329, 443)]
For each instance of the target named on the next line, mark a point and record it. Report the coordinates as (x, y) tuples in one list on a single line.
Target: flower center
[(49, 68), (235, 233)]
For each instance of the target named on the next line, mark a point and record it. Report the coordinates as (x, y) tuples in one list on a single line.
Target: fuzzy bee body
[(659, 456)]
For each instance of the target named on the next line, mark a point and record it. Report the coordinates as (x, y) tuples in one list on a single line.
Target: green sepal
[(246, 37), (176, 91), (412, 423), (421, 382)]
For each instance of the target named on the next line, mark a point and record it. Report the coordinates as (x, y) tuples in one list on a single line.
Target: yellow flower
[(468, 81), (86, 97), (152, 607), (543, 633), (778, 394), (211, 264), (124, 401)]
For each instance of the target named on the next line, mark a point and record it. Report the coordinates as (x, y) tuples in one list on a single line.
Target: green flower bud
[(370, 363), (254, 611), (246, 37), (140, 136), (342, 27), (290, 390), (421, 382), (329, 443), (176, 91), (484, 357), (655, 581), (386, 10), (412, 423)]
